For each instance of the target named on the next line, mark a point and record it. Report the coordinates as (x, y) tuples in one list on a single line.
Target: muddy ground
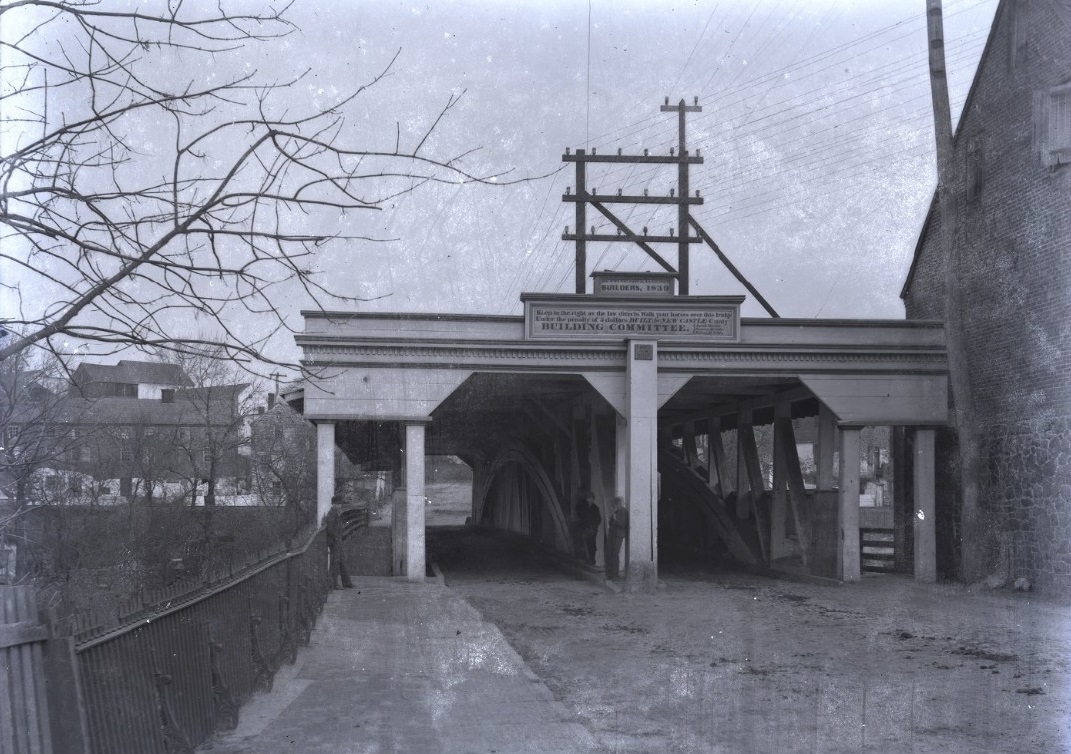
[(719, 661)]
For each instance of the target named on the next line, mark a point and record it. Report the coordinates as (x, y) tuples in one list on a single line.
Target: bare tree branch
[(111, 234)]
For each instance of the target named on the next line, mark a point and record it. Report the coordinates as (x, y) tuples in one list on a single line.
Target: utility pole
[(682, 191), (678, 197), (678, 156), (972, 564)]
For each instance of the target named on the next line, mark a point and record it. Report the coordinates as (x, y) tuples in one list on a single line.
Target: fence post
[(25, 723), (67, 706)]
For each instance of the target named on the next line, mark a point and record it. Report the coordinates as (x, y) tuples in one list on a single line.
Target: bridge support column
[(325, 468), (823, 449), (717, 470), (641, 404), (780, 546), (398, 509), (412, 525), (925, 507), (621, 466), (848, 560)]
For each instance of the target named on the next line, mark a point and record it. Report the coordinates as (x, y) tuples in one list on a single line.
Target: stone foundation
[(1027, 494)]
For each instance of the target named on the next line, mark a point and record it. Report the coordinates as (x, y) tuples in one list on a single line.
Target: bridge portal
[(631, 393)]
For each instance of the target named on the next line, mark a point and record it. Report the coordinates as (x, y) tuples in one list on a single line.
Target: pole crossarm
[(732, 268), (633, 237), (619, 199), (681, 108), (645, 159), (622, 237)]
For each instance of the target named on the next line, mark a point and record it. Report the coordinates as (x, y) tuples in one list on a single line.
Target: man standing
[(333, 524), (590, 519), (616, 533)]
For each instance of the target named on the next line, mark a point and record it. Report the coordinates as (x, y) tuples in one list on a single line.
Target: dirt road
[(725, 662)]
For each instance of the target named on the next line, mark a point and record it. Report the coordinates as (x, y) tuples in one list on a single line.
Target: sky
[(816, 128)]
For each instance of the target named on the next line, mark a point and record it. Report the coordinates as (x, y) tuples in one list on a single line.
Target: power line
[(602, 139), (770, 116)]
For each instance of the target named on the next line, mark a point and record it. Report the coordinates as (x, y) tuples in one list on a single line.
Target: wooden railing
[(164, 674), (877, 549)]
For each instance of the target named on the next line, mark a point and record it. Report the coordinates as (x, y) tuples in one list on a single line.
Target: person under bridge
[(333, 524), (616, 533)]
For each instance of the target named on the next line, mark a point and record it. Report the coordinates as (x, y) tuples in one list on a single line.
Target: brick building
[(133, 430), (1012, 186)]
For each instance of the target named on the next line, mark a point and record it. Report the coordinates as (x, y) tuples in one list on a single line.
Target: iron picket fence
[(166, 673)]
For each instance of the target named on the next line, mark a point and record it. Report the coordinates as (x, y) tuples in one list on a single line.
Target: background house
[(1012, 189), (125, 432), (283, 462)]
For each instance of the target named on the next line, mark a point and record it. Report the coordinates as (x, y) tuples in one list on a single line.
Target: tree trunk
[(210, 493)]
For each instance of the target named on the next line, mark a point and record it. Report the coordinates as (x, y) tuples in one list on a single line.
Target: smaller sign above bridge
[(611, 283), (579, 317)]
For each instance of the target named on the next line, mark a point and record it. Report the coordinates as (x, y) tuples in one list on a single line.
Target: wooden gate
[(37, 716)]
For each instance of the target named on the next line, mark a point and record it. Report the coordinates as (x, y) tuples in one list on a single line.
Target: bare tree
[(230, 201), (36, 418), (220, 407), (284, 458)]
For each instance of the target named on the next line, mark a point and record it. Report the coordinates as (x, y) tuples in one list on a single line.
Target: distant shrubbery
[(92, 557)]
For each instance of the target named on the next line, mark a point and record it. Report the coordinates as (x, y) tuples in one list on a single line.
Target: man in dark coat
[(333, 524), (590, 519), (616, 533)]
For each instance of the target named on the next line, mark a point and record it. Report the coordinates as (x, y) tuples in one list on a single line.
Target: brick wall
[(1015, 247)]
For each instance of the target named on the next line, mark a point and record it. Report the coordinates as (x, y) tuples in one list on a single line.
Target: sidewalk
[(398, 667)]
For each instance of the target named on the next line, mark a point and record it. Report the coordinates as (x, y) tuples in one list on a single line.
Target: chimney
[(271, 401)]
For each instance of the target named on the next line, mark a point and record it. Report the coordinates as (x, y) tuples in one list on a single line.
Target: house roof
[(933, 211), (133, 372), (192, 406)]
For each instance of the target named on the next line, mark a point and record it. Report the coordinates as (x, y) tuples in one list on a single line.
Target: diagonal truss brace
[(632, 236), (731, 267)]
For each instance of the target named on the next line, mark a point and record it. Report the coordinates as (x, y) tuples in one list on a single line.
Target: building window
[(184, 434), (1052, 125), (126, 455), (206, 456), (125, 390), (85, 454), (150, 431), (124, 433), (167, 396)]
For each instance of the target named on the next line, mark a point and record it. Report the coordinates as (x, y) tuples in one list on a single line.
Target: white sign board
[(707, 319)]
